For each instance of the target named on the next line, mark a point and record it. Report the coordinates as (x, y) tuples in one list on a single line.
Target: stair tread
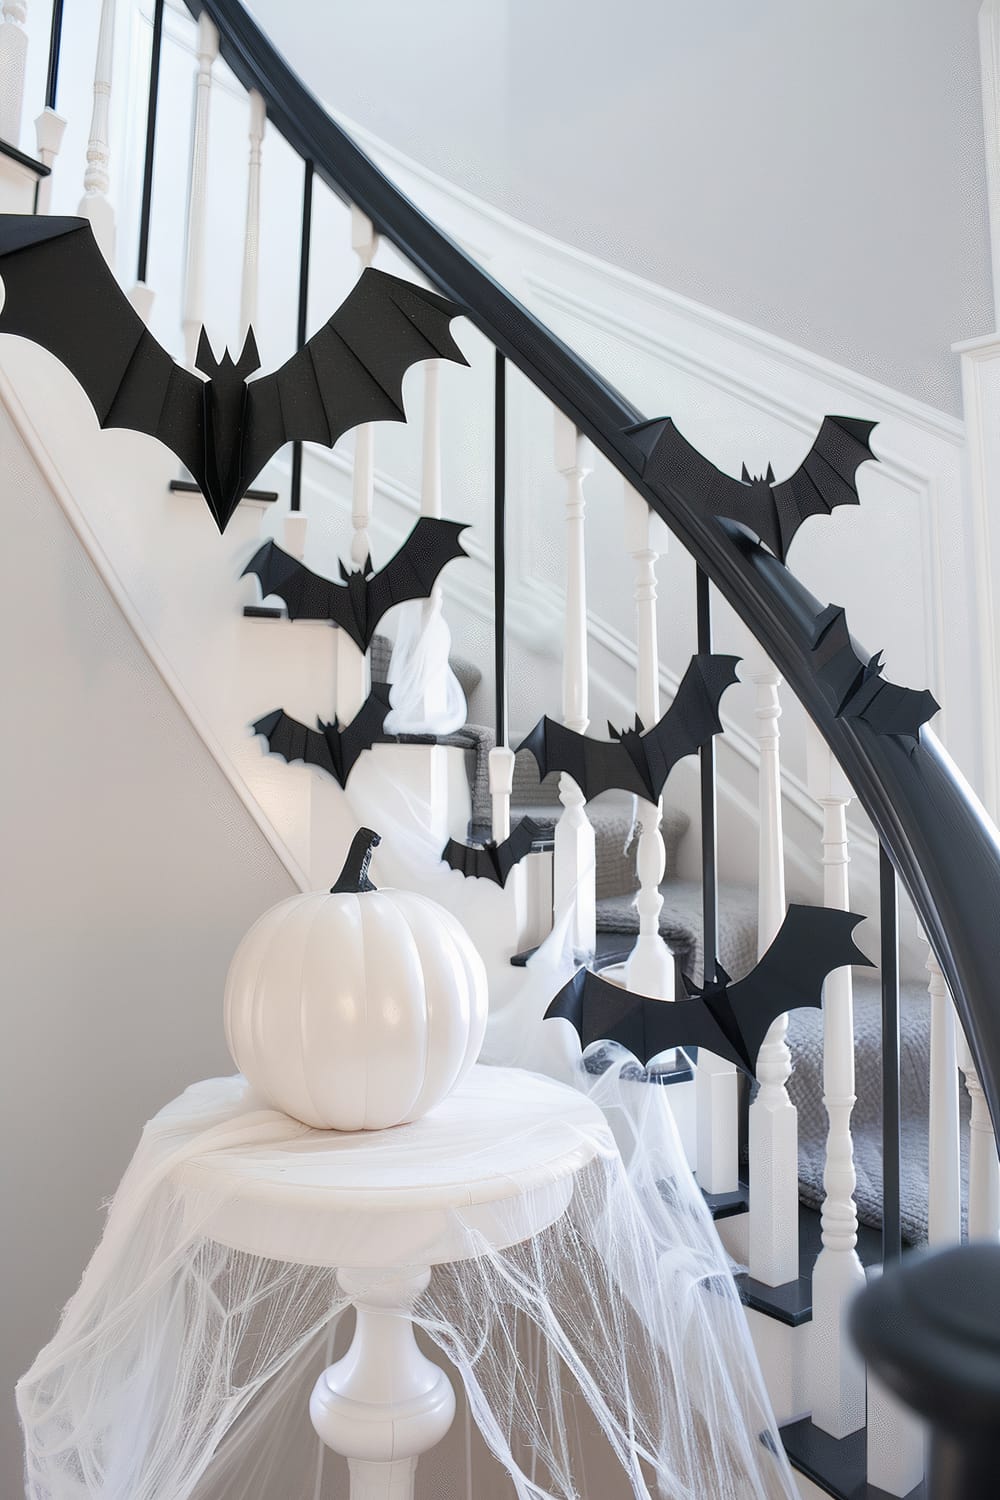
[(838, 1465)]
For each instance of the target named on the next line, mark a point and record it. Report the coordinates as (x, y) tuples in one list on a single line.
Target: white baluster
[(574, 858), (194, 270), (944, 1192), (501, 785), (251, 236), (837, 1383), (13, 58), (984, 1169), (650, 966), (94, 204), (774, 1162), (49, 130)]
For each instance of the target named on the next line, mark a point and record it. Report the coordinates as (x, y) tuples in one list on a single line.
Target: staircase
[(915, 826)]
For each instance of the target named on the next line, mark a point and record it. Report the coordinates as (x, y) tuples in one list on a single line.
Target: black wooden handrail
[(944, 848)]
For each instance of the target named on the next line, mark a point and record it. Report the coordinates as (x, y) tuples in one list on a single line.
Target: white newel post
[(13, 58), (574, 857), (353, 669), (193, 315), (837, 1373), (94, 204), (49, 131), (650, 966), (944, 1191), (984, 1169), (773, 1134), (250, 280)]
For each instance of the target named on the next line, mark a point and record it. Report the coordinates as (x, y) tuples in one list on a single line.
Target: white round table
[(489, 1167)]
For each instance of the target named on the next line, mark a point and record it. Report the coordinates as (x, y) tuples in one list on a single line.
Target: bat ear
[(640, 727), (745, 475), (613, 733), (249, 360), (343, 572), (770, 474), (205, 360), (691, 989)]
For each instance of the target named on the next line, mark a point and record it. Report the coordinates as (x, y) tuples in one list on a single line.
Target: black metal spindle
[(147, 170), (55, 44), (709, 836), (889, 909), (500, 544), (307, 200)]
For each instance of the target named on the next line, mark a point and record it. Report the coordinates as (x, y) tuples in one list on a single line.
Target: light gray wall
[(816, 170), (130, 872)]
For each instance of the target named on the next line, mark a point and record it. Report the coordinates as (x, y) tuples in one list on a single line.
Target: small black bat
[(856, 689), (493, 861), (334, 747), (634, 760), (773, 512), (358, 603), (730, 1020), (60, 293)]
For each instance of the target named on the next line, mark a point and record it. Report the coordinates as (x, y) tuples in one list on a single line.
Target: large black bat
[(728, 1019), (635, 760), (493, 861), (773, 512), (60, 293), (855, 687), (335, 747), (362, 598)]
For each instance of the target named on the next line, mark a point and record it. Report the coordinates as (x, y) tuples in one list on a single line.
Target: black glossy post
[(889, 908), (709, 836), (55, 44), (147, 170), (300, 332), (500, 545)]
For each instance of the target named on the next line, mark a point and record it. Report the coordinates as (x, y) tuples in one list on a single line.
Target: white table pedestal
[(384, 1403)]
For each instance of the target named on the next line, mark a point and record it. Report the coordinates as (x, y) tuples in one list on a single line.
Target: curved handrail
[(944, 847)]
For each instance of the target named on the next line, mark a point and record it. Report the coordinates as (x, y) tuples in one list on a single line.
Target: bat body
[(855, 687), (59, 292), (730, 1020), (493, 861), (358, 603), (772, 511), (635, 760), (334, 747)]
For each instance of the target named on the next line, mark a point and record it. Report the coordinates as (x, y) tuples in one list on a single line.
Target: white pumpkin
[(358, 1009)]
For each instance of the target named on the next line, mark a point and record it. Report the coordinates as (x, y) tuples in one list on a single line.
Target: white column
[(13, 58), (650, 966), (944, 1193), (774, 1160), (574, 856), (250, 279), (984, 1170), (384, 1403), (837, 1374), (49, 130), (94, 204), (193, 315)]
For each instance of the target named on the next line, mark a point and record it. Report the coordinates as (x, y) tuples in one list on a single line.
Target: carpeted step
[(681, 923)]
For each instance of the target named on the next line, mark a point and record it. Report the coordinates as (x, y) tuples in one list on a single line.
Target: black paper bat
[(60, 293), (493, 861), (856, 689), (331, 746), (634, 760), (728, 1019), (773, 512), (362, 598)]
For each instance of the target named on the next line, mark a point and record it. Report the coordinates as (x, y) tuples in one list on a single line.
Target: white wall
[(130, 871), (815, 170)]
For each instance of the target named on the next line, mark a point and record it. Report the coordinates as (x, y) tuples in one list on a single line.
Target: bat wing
[(364, 730), (516, 846), (472, 861), (287, 737), (856, 688), (827, 476), (307, 596), (412, 572), (352, 370), (595, 765), (811, 942), (601, 1011), (691, 719), (890, 709), (60, 293), (672, 460)]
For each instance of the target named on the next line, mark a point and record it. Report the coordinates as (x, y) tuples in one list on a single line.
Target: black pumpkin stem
[(353, 878)]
